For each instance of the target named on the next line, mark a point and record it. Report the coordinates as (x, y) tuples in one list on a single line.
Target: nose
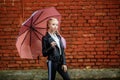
[(56, 27)]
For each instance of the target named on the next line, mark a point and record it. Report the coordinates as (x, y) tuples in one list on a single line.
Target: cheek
[(57, 27), (51, 27), (54, 27)]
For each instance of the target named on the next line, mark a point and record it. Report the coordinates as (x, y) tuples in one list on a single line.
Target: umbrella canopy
[(29, 44)]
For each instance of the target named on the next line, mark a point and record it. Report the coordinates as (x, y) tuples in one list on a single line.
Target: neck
[(51, 32)]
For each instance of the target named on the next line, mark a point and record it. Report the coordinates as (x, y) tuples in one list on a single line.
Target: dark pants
[(53, 67)]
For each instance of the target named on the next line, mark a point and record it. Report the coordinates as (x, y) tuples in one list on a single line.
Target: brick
[(87, 60), (74, 60), (80, 56), (100, 6), (68, 61), (93, 21), (90, 56), (7, 22), (78, 43), (93, 53), (100, 14), (80, 60), (114, 64), (5, 55), (113, 6), (107, 21), (100, 42), (113, 56), (25, 62), (88, 64), (101, 49), (13, 65), (69, 57), (6, 58), (106, 60), (93, 60), (81, 21), (101, 56), (19, 62)]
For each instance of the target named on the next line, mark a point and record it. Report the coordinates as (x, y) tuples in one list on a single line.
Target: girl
[(52, 47)]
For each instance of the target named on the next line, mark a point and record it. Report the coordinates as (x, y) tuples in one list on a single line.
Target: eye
[(55, 24)]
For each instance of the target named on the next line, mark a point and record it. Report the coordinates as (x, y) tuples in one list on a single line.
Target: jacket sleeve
[(45, 48), (63, 58)]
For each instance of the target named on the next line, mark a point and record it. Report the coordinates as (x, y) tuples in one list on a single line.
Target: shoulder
[(46, 37)]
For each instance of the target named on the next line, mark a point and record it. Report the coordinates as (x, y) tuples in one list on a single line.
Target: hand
[(53, 44), (64, 67)]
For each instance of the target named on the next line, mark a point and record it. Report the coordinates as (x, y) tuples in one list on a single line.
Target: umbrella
[(29, 44)]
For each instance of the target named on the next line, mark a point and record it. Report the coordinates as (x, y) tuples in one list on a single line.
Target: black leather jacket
[(53, 53)]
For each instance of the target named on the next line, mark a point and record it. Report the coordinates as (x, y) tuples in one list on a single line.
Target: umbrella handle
[(38, 59)]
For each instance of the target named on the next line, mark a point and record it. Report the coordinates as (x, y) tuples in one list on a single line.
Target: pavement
[(75, 74)]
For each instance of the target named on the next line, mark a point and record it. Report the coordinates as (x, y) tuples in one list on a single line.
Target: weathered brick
[(13, 65), (89, 64)]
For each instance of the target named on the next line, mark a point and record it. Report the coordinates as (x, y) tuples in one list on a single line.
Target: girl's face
[(53, 25)]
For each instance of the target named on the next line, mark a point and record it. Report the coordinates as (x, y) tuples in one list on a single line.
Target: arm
[(64, 66), (45, 48), (63, 58)]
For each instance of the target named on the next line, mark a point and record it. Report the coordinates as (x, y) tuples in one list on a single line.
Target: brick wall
[(90, 27)]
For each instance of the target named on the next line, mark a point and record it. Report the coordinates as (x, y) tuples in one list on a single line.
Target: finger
[(53, 42), (65, 69)]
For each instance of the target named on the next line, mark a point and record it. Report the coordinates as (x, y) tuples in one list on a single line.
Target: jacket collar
[(49, 37)]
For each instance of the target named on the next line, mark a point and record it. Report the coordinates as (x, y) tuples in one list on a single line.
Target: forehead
[(54, 21)]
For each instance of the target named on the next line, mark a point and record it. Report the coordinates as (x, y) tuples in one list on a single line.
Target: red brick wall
[(91, 29)]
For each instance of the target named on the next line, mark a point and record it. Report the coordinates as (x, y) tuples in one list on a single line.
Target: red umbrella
[(32, 30)]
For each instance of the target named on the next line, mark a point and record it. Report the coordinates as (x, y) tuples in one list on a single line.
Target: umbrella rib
[(23, 41), (26, 25), (37, 35), (31, 21), (39, 32), (25, 37), (40, 28), (23, 32), (38, 17), (30, 38), (45, 19)]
